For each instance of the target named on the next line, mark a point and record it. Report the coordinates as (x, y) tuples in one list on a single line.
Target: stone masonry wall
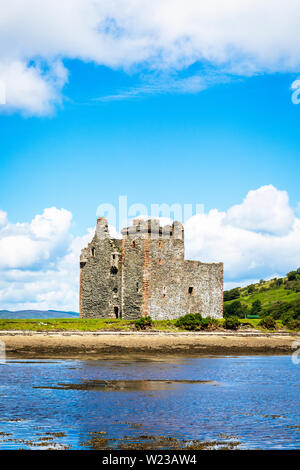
[(145, 274), (178, 287), (101, 274)]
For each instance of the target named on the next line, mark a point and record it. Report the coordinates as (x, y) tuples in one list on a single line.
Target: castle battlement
[(152, 229), (145, 273)]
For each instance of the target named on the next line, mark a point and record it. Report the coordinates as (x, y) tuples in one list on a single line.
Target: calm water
[(248, 402)]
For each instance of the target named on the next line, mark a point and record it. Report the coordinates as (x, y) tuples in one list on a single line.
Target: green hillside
[(278, 298)]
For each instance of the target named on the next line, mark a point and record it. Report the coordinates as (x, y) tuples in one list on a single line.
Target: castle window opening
[(191, 290), (116, 312), (164, 291), (114, 270), (133, 244), (137, 287), (93, 252), (115, 290), (114, 259)]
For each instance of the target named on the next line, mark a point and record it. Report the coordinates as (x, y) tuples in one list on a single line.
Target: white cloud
[(32, 89), (30, 245), (39, 261), (264, 210), (52, 224), (3, 218), (255, 239), (231, 37), (165, 83)]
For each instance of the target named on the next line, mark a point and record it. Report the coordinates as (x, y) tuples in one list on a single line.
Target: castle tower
[(145, 273)]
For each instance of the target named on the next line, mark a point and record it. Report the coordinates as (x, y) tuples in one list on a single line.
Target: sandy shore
[(77, 343)]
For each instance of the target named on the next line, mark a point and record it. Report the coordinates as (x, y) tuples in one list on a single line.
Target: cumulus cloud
[(32, 89), (258, 238), (167, 36), (30, 245), (39, 261), (263, 210)]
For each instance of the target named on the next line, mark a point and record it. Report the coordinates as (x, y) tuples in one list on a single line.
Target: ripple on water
[(193, 402)]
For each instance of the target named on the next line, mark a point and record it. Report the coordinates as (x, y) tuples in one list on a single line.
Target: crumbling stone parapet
[(145, 273)]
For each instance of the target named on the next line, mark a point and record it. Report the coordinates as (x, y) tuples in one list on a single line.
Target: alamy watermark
[(296, 93), (2, 353), (120, 216), (296, 353)]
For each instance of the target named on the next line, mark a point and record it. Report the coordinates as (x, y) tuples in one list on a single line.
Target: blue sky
[(163, 102), (208, 147)]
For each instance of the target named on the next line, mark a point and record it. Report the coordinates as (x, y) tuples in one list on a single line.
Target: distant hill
[(23, 314), (278, 298)]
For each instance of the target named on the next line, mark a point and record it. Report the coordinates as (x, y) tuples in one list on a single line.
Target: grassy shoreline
[(111, 325)]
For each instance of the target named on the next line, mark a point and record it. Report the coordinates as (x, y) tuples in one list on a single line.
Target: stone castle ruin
[(145, 273)]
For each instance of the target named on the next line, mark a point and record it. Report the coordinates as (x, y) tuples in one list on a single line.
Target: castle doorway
[(116, 310)]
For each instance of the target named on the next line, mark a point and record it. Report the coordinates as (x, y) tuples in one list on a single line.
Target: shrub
[(231, 294), (235, 309), (256, 307), (277, 310), (208, 323), (296, 308), (232, 323), (263, 289), (292, 285), (143, 323), (286, 318), (294, 275), (293, 324), (191, 321), (251, 288), (195, 322), (268, 323)]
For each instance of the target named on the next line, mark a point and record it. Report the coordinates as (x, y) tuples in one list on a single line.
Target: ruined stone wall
[(178, 287), (100, 276), (206, 279), (132, 281), (145, 274), (165, 278)]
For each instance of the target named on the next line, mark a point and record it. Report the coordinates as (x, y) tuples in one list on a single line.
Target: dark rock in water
[(127, 385)]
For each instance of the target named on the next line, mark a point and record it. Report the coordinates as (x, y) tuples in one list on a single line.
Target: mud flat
[(70, 343)]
